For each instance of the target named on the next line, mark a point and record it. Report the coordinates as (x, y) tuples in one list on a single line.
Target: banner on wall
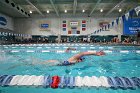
[(103, 24), (45, 25), (131, 26), (3, 21), (137, 9), (83, 25), (74, 23), (64, 25), (6, 22), (74, 27)]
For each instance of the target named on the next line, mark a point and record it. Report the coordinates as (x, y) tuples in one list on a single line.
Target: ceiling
[(73, 7)]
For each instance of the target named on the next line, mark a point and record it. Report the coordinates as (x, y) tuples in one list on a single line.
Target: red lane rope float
[(55, 81)]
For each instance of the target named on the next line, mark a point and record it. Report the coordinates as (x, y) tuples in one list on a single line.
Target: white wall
[(31, 26), (10, 22), (115, 30)]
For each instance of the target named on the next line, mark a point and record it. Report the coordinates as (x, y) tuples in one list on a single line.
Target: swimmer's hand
[(100, 53)]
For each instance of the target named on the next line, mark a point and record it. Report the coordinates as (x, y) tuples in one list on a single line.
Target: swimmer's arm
[(93, 53), (50, 62), (77, 56)]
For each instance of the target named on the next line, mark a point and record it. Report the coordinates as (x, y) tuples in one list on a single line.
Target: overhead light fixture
[(65, 11), (30, 12), (83, 10), (120, 10), (101, 10), (48, 11)]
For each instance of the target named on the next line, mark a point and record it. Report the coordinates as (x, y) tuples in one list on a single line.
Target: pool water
[(112, 64)]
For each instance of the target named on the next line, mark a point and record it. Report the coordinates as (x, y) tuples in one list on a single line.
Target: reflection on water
[(3, 57), (67, 71), (82, 68)]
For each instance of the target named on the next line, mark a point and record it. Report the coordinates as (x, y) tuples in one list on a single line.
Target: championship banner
[(131, 27), (102, 28), (110, 25), (6, 22), (120, 20), (45, 25), (102, 24), (137, 10), (117, 21), (64, 25), (74, 27), (83, 25), (105, 27), (127, 15), (73, 23)]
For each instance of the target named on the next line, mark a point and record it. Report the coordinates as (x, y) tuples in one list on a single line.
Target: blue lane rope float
[(67, 81), (62, 83), (120, 82), (136, 81), (47, 81), (7, 80), (129, 82), (70, 81), (2, 79), (112, 82)]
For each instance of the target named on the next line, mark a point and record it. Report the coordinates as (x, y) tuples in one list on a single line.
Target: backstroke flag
[(137, 9), (127, 15), (44, 25)]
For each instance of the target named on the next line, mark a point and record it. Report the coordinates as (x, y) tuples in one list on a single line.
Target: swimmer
[(68, 49), (72, 60), (75, 59)]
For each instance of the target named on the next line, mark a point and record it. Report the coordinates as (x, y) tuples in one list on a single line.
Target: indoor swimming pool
[(119, 61)]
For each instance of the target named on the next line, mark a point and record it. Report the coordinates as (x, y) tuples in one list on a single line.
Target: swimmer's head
[(81, 59)]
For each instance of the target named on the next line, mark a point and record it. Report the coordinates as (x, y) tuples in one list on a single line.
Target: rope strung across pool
[(55, 44), (72, 51), (70, 82)]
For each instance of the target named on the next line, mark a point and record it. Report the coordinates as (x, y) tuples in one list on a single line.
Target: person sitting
[(126, 40)]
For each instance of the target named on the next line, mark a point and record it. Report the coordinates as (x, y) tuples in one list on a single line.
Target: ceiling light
[(120, 10), (101, 10), (48, 11), (30, 12), (65, 11), (83, 10)]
